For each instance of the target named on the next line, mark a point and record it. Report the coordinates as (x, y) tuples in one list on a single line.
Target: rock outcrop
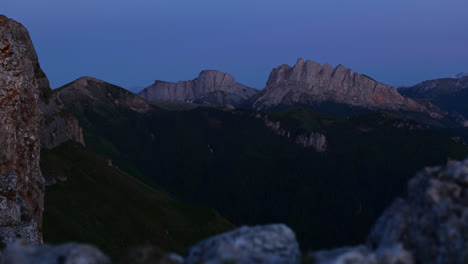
[(211, 87), (21, 181), (58, 125), (428, 225), (273, 244), (315, 140), (309, 83)]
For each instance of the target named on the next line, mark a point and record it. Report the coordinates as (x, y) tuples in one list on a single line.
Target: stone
[(70, 253), (431, 221), (309, 83), (211, 87), (21, 181), (361, 255), (273, 244)]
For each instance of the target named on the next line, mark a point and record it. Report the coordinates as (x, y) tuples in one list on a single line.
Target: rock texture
[(431, 221), (58, 125), (315, 140), (273, 244), (211, 87), (362, 255), (428, 225), (309, 83), (21, 182), (70, 253)]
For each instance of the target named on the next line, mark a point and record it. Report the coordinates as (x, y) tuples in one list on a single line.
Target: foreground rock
[(211, 87), (428, 225), (272, 244), (21, 182), (70, 253)]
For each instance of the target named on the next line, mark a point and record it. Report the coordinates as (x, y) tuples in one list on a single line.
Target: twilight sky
[(132, 43)]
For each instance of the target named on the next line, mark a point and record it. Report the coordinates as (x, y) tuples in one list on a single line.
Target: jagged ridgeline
[(258, 167)]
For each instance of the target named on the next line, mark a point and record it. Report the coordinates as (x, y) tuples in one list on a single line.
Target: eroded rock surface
[(309, 83), (272, 244), (211, 87), (21, 181), (58, 125)]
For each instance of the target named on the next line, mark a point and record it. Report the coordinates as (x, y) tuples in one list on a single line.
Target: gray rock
[(309, 83), (431, 221), (70, 253), (21, 181), (273, 244), (315, 140), (362, 255), (211, 87)]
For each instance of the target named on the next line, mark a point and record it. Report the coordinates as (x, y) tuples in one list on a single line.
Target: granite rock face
[(211, 87), (21, 181), (273, 244), (70, 253), (309, 83)]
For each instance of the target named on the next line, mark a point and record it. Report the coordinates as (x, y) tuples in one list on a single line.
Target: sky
[(133, 43)]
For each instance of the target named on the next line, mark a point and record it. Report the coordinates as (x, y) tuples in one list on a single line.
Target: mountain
[(449, 94), (311, 84), (296, 166), (95, 202), (211, 87)]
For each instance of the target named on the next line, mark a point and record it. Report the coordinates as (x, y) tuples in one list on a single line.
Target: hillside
[(233, 162), (101, 204)]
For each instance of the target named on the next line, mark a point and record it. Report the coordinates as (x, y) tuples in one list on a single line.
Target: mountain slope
[(232, 161), (311, 84), (211, 87), (101, 204), (448, 94)]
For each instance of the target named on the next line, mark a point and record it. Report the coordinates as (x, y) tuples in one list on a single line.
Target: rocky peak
[(211, 87), (21, 182), (309, 82)]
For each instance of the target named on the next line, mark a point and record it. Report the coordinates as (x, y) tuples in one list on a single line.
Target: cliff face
[(211, 87), (21, 182), (58, 125), (311, 83)]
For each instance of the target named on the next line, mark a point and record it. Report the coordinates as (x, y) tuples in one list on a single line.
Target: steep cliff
[(21, 181), (211, 87), (309, 83)]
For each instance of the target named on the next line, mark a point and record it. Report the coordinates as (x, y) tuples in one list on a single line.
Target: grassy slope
[(102, 205), (253, 176)]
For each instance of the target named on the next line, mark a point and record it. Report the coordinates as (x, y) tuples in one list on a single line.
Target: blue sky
[(133, 43)]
